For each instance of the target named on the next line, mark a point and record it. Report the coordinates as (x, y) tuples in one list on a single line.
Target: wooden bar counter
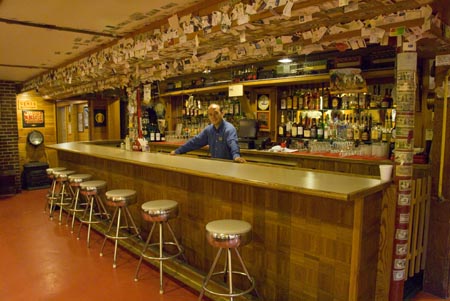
[(315, 234)]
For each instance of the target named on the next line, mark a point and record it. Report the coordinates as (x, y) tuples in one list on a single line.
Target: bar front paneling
[(308, 244)]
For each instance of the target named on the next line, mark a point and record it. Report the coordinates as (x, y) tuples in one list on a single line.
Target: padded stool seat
[(95, 211), (228, 234), (75, 180), (159, 212), (120, 199), (65, 196), (53, 193)]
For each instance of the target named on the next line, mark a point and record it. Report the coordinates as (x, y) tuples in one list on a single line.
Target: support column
[(406, 74)]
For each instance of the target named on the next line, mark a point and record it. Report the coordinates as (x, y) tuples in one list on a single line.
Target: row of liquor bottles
[(338, 126), (152, 133), (190, 127), (196, 106), (314, 98)]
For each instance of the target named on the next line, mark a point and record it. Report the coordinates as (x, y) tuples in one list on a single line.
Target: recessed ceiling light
[(285, 60)]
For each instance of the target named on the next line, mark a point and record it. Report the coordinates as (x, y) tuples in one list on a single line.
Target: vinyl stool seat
[(228, 234), (75, 180), (120, 199), (159, 212), (65, 194), (95, 211), (53, 193)]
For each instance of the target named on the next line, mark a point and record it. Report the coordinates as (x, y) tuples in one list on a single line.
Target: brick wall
[(9, 152)]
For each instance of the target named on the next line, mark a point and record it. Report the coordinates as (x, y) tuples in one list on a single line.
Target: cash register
[(247, 133)]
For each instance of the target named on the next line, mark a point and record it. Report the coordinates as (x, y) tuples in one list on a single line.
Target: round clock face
[(263, 102), (35, 138)]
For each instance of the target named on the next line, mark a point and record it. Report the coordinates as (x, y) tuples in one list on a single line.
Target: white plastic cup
[(385, 172)]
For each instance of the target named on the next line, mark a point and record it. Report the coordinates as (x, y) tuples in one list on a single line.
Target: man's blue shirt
[(223, 142)]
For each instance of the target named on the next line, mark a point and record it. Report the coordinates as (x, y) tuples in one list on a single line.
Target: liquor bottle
[(152, 132), (306, 99), (373, 99), (157, 134), (314, 99), (237, 107), (313, 129), (320, 130), (294, 130), (295, 99), (300, 127), (302, 102), (282, 127), (289, 102), (349, 133), (283, 100), (317, 99), (326, 128), (356, 130), (326, 98), (341, 133), (385, 134), (288, 131), (344, 101), (307, 128), (365, 133)]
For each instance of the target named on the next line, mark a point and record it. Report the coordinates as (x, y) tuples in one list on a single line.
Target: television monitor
[(248, 128)]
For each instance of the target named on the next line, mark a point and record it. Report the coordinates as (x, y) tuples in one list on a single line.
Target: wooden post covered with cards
[(404, 144)]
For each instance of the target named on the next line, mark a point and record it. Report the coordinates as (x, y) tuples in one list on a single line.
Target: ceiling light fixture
[(285, 60)]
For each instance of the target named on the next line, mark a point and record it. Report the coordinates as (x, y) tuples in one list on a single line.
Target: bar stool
[(75, 180), (93, 191), (65, 197), (120, 199), (52, 193), (159, 212), (228, 234)]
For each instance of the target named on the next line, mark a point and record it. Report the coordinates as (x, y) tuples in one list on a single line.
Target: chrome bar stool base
[(120, 199), (53, 192), (228, 235), (65, 195), (75, 180), (159, 212), (95, 211)]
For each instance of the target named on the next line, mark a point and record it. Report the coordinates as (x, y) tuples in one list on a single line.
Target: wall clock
[(263, 102), (35, 138)]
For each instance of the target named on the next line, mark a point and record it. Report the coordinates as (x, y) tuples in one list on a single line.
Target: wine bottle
[(300, 128), (282, 127), (294, 130)]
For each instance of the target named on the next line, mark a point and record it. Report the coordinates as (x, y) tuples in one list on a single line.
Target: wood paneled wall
[(33, 101)]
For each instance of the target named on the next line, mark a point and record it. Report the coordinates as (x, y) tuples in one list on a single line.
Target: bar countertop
[(319, 183)]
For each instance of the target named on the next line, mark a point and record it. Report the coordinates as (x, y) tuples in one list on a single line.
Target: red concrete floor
[(42, 261)]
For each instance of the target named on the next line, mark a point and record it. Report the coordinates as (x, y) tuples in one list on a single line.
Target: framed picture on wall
[(86, 117), (99, 117), (33, 118), (263, 120), (80, 122)]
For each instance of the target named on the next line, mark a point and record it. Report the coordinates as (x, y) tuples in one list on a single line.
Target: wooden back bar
[(315, 234)]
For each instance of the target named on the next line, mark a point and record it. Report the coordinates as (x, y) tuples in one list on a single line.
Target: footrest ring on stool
[(251, 288), (171, 243)]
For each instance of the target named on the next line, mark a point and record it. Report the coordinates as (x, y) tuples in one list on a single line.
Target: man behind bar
[(220, 135)]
